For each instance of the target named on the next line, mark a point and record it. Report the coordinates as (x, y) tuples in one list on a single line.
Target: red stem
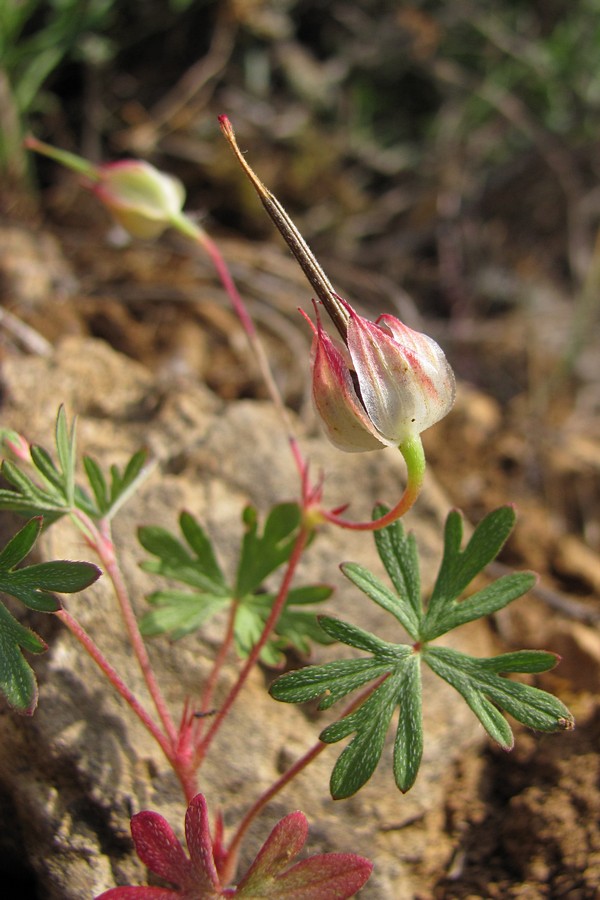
[(276, 609), (105, 549), (404, 504), (228, 283), (243, 315), (79, 632), (207, 693)]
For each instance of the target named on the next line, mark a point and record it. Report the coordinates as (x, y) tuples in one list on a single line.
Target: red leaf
[(284, 843), (329, 876), (158, 848), (197, 835)]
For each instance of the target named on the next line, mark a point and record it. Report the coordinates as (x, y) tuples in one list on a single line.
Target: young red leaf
[(328, 876), (159, 849)]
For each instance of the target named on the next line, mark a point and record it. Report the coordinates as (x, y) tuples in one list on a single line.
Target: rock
[(77, 770)]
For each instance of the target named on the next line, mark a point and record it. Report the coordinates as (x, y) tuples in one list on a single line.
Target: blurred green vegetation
[(438, 142), (37, 37)]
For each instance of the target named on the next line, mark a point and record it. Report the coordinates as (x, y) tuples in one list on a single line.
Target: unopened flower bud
[(142, 199), (15, 443)]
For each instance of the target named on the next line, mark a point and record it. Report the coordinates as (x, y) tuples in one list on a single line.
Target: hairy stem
[(211, 683), (254, 654), (185, 226), (79, 632), (100, 539)]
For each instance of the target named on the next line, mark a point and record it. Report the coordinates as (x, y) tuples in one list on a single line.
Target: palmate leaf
[(33, 586), (51, 490), (193, 562), (394, 670)]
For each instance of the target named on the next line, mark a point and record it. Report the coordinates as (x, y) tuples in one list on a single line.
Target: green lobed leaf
[(363, 640), (334, 680), (397, 605), (484, 689), (262, 554), (398, 665), (458, 567), (370, 721), (408, 745), (490, 717), (482, 603), (531, 706), (63, 575), (32, 585), (179, 613), (479, 681), (17, 680), (398, 553)]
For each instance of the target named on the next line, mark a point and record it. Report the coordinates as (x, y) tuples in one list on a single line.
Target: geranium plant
[(375, 385)]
